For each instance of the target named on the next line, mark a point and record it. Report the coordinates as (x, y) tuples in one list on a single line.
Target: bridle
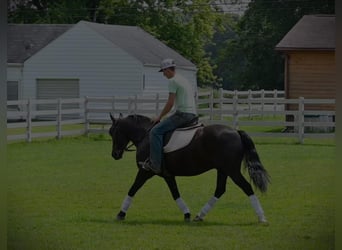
[(127, 148), (143, 137)]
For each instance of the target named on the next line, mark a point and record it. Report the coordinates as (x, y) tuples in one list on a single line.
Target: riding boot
[(148, 166)]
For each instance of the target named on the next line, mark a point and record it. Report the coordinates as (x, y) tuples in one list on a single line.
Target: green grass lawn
[(65, 195)]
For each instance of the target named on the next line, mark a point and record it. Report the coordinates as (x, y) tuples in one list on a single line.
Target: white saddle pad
[(180, 138)]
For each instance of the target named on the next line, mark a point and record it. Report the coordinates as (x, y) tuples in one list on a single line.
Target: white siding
[(154, 81), (102, 68)]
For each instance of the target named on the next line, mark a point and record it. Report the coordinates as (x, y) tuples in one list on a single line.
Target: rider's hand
[(155, 120)]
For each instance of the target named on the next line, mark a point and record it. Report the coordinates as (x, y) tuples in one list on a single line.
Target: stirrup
[(147, 166)]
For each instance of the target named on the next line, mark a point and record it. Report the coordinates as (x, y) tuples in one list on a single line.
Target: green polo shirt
[(185, 94)]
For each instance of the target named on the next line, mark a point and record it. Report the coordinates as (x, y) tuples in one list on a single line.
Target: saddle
[(180, 137)]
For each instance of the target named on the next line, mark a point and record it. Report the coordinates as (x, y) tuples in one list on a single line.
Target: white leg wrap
[(126, 203), (207, 207), (182, 206), (257, 207)]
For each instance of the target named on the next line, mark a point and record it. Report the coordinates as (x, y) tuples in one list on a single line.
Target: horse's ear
[(112, 117)]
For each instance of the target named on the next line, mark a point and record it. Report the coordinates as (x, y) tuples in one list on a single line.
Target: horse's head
[(133, 128), (119, 137)]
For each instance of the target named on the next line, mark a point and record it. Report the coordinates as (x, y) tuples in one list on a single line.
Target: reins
[(129, 146), (132, 144)]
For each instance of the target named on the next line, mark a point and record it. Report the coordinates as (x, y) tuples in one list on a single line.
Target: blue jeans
[(157, 133)]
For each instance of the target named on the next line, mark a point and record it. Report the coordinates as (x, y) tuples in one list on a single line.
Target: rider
[(182, 97)]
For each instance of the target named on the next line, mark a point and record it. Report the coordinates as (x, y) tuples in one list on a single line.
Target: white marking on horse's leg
[(126, 203), (207, 207), (257, 208), (182, 206)]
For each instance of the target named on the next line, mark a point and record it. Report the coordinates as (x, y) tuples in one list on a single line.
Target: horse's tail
[(256, 170)]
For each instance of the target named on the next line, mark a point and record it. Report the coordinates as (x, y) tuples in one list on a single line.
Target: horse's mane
[(139, 119)]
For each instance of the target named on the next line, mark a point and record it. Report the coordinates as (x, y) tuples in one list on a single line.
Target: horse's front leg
[(172, 184), (140, 179)]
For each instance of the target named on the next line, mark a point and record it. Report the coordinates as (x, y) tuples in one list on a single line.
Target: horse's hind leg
[(240, 180), (140, 180), (172, 184), (220, 190)]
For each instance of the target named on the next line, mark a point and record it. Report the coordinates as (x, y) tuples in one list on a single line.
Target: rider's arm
[(168, 106)]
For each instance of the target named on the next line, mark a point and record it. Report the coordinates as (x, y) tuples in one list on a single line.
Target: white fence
[(29, 119)]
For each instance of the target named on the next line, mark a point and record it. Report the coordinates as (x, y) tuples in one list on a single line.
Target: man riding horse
[(182, 97)]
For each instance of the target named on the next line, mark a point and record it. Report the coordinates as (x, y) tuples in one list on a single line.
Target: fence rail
[(32, 118)]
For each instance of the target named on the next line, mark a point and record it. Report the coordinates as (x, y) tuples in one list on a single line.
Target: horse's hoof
[(121, 216), (198, 218), (263, 221), (187, 217)]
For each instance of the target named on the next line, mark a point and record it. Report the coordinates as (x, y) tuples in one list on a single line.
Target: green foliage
[(184, 26), (65, 195), (57, 11), (249, 61)]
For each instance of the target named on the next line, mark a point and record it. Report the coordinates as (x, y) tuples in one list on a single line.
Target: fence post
[(301, 120), (130, 105), (235, 110), (221, 102), (29, 121), (59, 118), (86, 116), (249, 103), (262, 102), (135, 103)]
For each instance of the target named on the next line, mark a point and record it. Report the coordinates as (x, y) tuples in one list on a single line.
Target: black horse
[(213, 147)]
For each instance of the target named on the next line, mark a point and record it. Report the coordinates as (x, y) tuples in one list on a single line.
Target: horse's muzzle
[(117, 154)]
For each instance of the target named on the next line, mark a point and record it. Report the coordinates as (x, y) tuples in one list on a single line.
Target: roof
[(140, 44), (311, 32), (24, 40)]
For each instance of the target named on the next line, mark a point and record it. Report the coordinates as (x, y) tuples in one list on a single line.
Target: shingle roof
[(24, 40), (312, 32), (140, 44)]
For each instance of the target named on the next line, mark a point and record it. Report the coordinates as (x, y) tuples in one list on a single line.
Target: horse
[(212, 147)]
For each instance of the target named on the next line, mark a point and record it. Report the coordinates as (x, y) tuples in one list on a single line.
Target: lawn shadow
[(169, 222)]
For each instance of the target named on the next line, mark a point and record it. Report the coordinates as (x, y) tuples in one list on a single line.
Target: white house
[(87, 59)]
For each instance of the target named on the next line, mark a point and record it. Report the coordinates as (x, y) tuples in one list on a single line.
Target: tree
[(249, 59), (186, 26), (53, 11), (217, 50)]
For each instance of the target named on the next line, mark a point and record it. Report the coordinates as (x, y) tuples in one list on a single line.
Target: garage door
[(57, 88)]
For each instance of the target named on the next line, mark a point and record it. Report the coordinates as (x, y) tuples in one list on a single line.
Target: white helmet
[(167, 63)]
